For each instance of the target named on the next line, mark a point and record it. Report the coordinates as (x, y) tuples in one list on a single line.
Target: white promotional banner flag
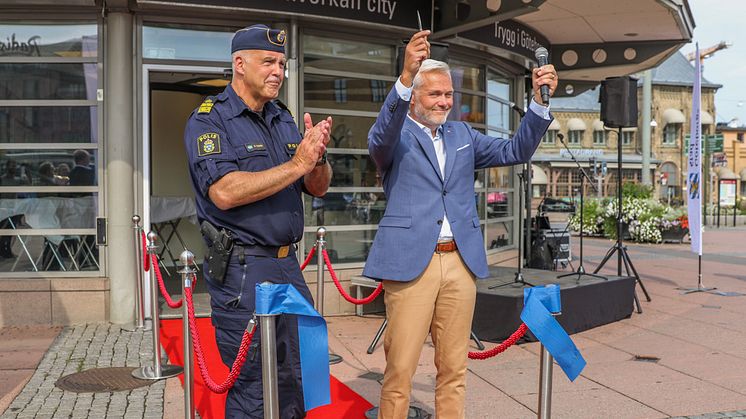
[(694, 175)]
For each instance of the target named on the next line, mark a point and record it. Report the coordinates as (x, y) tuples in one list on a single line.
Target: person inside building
[(82, 174), (248, 165), (429, 249)]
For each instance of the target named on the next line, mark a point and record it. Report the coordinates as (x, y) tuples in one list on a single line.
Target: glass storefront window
[(498, 114), (499, 204), (469, 108), (186, 44), (34, 167), (49, 139), (499, 234), (48, 124), (344, 93), (320, 53), (353, 170), (498, 85), (466, 76), (347, 131), (345, 208), (41, 40), (48, 81), (344, 246)]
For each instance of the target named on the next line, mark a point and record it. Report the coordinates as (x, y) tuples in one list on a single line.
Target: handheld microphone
[(542, 57), (518, 109)]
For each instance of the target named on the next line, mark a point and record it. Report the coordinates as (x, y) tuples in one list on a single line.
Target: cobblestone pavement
[(79, 348)]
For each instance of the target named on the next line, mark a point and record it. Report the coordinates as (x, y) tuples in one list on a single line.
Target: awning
[(587, 40), (673, 116), (576, 124), (538, 176), (706, 118), (725, 173), (555, 125), (598, 125), (743, 175)]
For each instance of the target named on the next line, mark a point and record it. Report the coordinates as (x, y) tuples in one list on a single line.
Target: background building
[(578, 120), (95, 96)]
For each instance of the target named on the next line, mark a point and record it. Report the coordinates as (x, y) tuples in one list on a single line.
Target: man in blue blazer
[(429, 249)]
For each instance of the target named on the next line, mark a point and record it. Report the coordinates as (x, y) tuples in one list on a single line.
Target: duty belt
[(263, 251)]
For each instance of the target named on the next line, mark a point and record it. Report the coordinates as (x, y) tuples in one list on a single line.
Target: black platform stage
[(586, 304)]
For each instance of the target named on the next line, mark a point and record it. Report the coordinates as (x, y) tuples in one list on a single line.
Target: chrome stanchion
[(157, 371), (187, 276), (546, 365), (320, 244), (139, 323), (269, 364)]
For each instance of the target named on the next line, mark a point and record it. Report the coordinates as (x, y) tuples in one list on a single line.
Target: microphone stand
[(583, 176)]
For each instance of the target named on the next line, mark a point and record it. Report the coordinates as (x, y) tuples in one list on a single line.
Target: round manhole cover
[(99, 380)]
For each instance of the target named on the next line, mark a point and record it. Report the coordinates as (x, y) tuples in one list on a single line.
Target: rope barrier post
[(139, 323), (187, 276), (320, 244), (157, 371), (269, 364), (546, 365)]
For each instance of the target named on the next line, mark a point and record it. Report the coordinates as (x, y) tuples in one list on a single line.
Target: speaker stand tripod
[(518, 279), (618, 247), (583, 176)]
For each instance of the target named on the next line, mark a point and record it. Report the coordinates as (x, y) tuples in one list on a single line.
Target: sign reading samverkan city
[(401, 13)]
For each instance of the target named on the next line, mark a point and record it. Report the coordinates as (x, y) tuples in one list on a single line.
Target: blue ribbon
[(538, 305), (314, 348)]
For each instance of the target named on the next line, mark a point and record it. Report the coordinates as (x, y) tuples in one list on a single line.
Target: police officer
[(248, 165)]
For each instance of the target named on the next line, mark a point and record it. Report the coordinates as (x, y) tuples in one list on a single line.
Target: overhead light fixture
[(463, 9), (213, 82)]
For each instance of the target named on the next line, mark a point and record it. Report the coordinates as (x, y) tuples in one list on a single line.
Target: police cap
[(259, 37)]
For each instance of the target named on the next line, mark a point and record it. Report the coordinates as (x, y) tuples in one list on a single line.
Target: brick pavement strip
[(81, 347)]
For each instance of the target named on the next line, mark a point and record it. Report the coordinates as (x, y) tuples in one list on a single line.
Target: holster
[(219, 251)]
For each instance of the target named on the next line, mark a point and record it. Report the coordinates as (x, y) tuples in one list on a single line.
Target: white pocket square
[(463, 147)]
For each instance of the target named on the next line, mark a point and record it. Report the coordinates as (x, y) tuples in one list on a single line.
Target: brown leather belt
[(445, 247)]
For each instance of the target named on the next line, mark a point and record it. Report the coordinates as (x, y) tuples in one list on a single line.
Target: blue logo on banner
[(694, 186)]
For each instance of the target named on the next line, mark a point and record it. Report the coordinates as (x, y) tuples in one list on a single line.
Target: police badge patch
[(208, 143)]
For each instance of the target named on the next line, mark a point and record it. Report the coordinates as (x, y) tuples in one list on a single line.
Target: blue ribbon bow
[(314, 348), (538, 305)]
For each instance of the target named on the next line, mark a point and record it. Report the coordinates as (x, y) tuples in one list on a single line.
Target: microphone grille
[(541, 52)]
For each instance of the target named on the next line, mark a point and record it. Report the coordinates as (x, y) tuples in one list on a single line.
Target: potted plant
[(674, 225)]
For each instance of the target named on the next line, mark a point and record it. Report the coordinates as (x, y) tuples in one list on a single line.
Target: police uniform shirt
[(223, 135)]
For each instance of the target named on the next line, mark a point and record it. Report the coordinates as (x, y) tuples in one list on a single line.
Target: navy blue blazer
[(418, 196)]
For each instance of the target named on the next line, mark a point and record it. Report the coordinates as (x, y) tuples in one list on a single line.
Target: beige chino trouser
[(440, 301)]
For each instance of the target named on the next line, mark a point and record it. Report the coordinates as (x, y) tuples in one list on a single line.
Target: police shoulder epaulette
[(282, 106), (206, 106)]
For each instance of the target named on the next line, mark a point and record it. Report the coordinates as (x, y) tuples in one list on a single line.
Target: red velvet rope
[(146, 261), (522, 329), (308, 258), (171, 303), (197, 344), (346, 296)]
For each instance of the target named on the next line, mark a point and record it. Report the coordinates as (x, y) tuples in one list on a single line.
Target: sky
[(715, 21)]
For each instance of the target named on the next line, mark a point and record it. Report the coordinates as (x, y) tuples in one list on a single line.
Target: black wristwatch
[(322, 160)]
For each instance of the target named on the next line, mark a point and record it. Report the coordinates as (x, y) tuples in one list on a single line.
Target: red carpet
[(346, 404)]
